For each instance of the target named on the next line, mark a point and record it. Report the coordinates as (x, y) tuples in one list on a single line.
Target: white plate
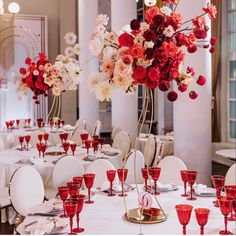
[(209, 192)]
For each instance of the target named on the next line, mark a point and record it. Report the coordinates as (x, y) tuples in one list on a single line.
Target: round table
[(105, 216), (227, 153)]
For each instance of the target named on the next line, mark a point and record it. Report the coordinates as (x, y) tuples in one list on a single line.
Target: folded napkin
[(161, 186), (202, 189), (67, 127), (45, 207), (23, 161), (106, 186), (40, 227)]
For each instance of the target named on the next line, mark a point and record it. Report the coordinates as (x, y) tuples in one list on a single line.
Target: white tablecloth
[(105, 216), (11, 139), (8, 159)]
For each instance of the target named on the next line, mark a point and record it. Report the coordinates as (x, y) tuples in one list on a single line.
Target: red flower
[(42, 56), (190, 70), (192, 49), (201, 80), (139, 74), (126, 40), (200, 34), (183, 87), (22, 71), (169, 49), (212, 49), (199, 22), (213, 41), (135, 24), (154, 74), (164, 85), (172, 96), (193, 95), (158, 20), (210, 10), (152, 84), (28, 61), (149, 35), (150, 13), (136, 51)]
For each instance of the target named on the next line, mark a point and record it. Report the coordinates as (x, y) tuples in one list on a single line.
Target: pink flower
[(70, 38), (170, 49), (177, 18), (136, 51), (127, 60), (199, 22), (210, 10), (150, 13), (69, 52)]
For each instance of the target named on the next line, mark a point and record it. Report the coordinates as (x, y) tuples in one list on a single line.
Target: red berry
[(201, 80), (172, 96), (193, 95)]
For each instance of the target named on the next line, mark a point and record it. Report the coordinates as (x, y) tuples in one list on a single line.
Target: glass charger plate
[(151, 216)]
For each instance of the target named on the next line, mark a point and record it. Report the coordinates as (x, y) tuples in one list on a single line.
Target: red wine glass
[(225, 204), (62, 138), (145, 176), (7, 125), (101, 141), (73, 148), (122, 175), (87, 145), (21, 140), (155, 174), (191, 178), (39, 148), (202, 215), (27, 139), (65, 136), (95, 145), (29, 120), (40, 138), (73, 188), (66, 147), (78, 180), (70, 208), (84, 137), (89, 179), (218, 182), (63, 193), (45, 137), (43, 148), (80, 202), (183, 174), (184, 214), (17, 123), (62, 122), (111, 174), (231, 192)]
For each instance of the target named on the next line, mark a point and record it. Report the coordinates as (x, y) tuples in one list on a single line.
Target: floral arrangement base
[(149, 216)]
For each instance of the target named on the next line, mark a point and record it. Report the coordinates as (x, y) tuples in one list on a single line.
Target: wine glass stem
[(185, 185), (111, 188), (184, 230), (64, 209), (202, 230), (226, 224), (89, 194), (146, 184), (155, 187), (71, 224), (122, 183), (77, 218), (191, 189)]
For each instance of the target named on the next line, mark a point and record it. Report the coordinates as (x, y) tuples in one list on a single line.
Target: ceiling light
[(14, 7), (150, 3)]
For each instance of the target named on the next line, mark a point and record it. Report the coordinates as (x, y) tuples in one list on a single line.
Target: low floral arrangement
[(42, 75), (150, 53)]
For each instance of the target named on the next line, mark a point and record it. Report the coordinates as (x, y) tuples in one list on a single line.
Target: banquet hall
[(118, 117)]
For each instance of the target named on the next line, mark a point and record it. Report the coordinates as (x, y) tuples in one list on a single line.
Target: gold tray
[(152, 216), (54, 153)]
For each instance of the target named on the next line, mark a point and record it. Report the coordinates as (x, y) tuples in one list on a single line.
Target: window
[(231, 78)]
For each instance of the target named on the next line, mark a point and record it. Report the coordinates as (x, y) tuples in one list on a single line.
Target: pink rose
[(211, 11), (136, 51), (177, 18), (199, 22)]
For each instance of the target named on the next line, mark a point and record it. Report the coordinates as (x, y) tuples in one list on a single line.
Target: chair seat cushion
[(50, 192), (4, 197)]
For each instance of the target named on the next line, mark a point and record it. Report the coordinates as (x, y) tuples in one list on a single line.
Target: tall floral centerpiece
[(151, 52)]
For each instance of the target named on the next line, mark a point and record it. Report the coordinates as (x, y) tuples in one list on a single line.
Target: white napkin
[(10, 138), (163, 186), (106, 186), (67, 127), (45, 207), (42, 226), (200, 188), (37, 160)]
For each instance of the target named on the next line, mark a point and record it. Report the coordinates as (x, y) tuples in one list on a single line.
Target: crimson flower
[(201, 80), (193, 94), (126, 40), (172, 96)]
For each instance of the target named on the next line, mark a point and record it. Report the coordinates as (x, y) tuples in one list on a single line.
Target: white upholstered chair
[(150, 150), (80, 124), (65, 169), (122, 142), (75, 137), (97, 128), (170, 170), (26, 189), (134, 168), (2, 146), (115, 131), (230, 178), (99, 168)]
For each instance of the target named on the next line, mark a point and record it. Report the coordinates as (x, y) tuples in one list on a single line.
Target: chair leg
[(7, 213)]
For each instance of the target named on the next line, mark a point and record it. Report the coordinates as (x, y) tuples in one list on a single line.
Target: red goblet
[(218, 182), (17, 123), (191, 178), (89, 179), (225, 204), (122, 174), (202, 217), (27, 139), (101, 141), (184, 214), (111, 174), (231, 192), (73, 148), (87, 145), (63, 193), (45, 137), (39, 148), (78, 180), (95, 137), (28, 121), (62, 122), (84, 137), (155, 174), (43, 148), (65, 136), (8, 125), (21, 140), (73, 188), (185, 180), (62, 138), (79, 198), (40, 138), (66, 147), (70, 208), (145, 176), (12, 122), (95, 145)]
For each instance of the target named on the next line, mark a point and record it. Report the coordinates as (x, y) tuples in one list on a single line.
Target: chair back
[(230, 178), (134, 167), (97, 128), (115, 131), (122, 141), (170, 170), (26, 189), (2, 146), (75, 137), (80, 124), (65, 169), (150, 150), (99, 168)]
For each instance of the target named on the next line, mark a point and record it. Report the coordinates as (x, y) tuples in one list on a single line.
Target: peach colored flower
[(121, 69), (199, 22), (170, 49), (150, 13), (178, 18), (136, 51), (111, 37), (211, 11), (122, 51), (122, 82), (107, 66)]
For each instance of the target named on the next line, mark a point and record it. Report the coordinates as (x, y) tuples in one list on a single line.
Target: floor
[(6, 228)]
